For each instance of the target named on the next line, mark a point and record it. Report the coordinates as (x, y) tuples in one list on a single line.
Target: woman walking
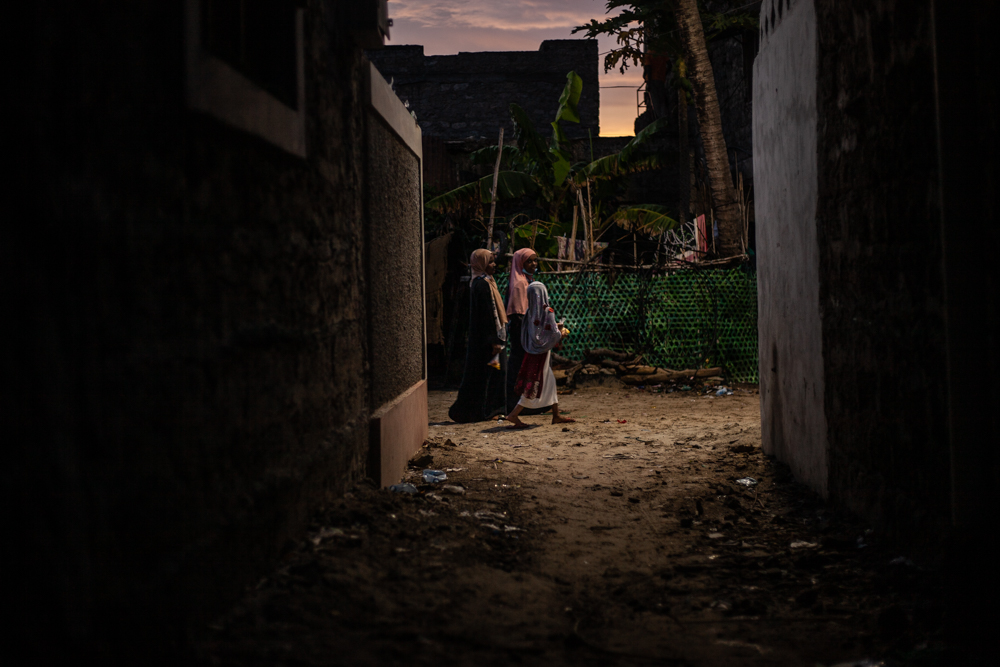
[(539, 334), (482, 394), (521, 271)]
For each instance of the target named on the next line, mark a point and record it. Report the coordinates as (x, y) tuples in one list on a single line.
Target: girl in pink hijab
[(522, 270)]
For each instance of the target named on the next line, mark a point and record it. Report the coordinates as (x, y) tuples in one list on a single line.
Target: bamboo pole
[(493, 194), (572, 239), (589, 229), (583, 214)]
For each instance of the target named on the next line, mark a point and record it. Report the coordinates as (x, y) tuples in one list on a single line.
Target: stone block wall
[(467, 96), (193, 373)]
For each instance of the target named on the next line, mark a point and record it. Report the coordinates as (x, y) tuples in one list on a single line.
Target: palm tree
[(660, 20), (706, 101)]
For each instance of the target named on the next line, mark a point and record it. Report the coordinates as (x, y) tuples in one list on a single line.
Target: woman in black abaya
[(483, 391)]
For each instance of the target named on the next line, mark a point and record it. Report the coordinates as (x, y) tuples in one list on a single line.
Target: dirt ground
[(623, 539)]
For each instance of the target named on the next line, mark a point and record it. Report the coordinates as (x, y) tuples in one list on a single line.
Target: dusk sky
[(446, 27)]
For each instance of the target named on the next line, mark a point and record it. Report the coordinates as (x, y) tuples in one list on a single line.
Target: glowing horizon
[(446, 27)]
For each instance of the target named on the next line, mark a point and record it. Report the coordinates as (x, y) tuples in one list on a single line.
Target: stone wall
[(467, 96), (193, 373)]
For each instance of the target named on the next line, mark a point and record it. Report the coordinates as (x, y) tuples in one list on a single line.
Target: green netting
[(696, 318)]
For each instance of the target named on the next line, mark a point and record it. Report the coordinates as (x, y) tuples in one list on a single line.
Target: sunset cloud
[(446, 27), (512, 15)]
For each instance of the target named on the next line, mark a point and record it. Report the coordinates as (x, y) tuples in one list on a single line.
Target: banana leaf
[(488, 155), (510, 185), (529, 142), (647, 218), (569, 99), (643, 137), (611, 166)]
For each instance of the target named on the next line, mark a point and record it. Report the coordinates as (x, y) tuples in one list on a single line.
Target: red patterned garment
[(529, 378)]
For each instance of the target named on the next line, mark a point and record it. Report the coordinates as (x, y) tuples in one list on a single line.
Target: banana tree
[(544, 168)]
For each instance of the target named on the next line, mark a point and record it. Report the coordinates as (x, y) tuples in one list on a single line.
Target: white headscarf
[(539, 330)]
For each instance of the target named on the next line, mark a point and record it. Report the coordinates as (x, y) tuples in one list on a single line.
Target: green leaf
[(569, 99), (488, 155), (648, 218), (643, 137), (560, 170), (510, 185), (531, 145)]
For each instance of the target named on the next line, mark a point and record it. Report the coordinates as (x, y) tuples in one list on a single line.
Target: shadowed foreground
[(625, 538)]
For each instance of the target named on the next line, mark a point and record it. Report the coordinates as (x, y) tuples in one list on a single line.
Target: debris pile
[(627, 367)]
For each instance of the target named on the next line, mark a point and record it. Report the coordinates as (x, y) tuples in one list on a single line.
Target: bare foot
[(563, 420), (515, 422)]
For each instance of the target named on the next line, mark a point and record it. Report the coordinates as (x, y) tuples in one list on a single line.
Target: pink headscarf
[(517, 299)]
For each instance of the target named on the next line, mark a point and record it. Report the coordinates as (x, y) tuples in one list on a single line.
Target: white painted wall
[(793, 419)]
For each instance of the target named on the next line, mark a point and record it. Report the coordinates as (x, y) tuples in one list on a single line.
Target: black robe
[(483, 391)]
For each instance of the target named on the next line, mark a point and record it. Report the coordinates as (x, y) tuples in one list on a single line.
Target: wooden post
[(589, 230), (493, 194), (583, 214), (572, 238)]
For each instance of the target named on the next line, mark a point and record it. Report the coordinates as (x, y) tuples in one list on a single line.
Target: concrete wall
[(882, 292), (466, 96), (846, 146), (794, 425), (194, 369)]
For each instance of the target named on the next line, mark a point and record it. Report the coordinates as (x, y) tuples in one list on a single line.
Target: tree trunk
[(727, 210)]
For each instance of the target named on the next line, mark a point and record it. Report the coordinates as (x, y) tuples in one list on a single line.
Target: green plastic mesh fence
[(697, 318)]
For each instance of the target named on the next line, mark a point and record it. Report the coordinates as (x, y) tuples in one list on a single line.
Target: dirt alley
[(622, 539)]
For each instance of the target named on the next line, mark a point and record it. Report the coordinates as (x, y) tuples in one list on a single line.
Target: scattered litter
[(492, 526), (325, 533), (427, 513), (403, 488), (622, 421), (453, 488), (464, 513), (747, 482), (723, 391), (799, 544), (434, 476), (453, 469), (482, 514), (715, 536)]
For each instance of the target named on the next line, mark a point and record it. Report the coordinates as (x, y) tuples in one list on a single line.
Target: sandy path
[(602, 542)]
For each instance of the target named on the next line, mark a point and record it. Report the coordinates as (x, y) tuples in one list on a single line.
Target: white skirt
[(548, 395)]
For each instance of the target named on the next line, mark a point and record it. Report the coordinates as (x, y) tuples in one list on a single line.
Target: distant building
[(461, 101)]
